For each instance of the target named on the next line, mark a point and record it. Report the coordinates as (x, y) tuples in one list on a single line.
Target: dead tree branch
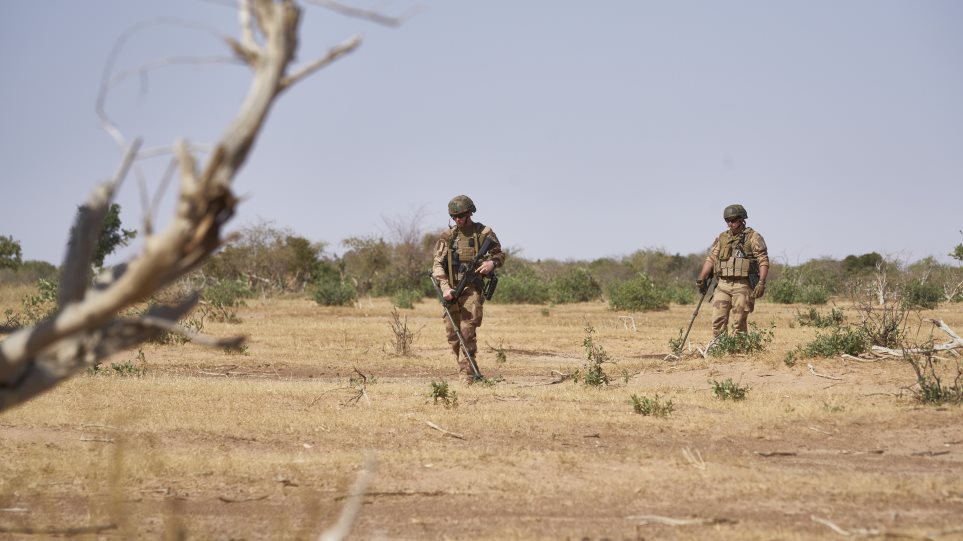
[(954, 343), (85, 327)]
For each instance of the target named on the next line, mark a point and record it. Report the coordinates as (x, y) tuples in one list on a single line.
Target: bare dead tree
[(86, 326)]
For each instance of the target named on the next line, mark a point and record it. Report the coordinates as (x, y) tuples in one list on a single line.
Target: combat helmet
[(735, 211), (460, 204)]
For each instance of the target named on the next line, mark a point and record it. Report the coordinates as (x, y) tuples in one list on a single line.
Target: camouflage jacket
[(456, 246), (729, 251)]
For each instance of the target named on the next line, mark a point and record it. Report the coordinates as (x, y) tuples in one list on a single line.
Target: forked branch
[(85, 327)]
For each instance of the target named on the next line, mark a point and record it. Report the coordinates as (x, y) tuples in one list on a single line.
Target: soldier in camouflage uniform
[(740, 260), (458, 246)]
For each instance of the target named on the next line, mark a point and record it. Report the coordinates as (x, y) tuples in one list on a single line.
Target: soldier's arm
[(496, 254), (761, 252), (439, 266), (710, 260)]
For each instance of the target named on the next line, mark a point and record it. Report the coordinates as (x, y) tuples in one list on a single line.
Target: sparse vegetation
[(133, 368), (930, 388), (592, 373), (638, 294), (813, 318), (654, 407), (729, 390), (753, 341), (404, 336), (441, 393)]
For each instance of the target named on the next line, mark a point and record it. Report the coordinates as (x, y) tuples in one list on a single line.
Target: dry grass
[(264, 444)]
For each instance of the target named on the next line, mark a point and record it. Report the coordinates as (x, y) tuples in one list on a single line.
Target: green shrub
[(814, 319), (729, 390), (521, 286), (334, 292), (931, 388), (680, 293), (926, 295), (812, 294), (644, 405), (848, 340), (592, 373), (39, 306), (223, 297), (637, 295), (440, 392), (574, 285), (406, 298), (748, 342), (782, 291)]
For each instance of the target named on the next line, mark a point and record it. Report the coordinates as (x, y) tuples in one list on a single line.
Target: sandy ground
[(265, 444)]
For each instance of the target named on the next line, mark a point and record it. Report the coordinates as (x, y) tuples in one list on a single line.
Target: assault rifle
[(709, 287), (469, 274)]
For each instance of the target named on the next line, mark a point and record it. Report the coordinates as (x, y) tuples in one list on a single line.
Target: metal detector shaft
[(461, 339), (696, 313)]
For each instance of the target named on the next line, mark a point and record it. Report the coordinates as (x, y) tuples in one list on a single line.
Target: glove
[(702, 285), (759, 291)]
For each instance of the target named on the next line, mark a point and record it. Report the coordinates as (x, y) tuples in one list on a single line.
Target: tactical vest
[(736, 259), (462, 249)]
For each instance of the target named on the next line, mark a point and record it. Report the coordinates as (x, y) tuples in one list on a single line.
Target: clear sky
[(580, 129)]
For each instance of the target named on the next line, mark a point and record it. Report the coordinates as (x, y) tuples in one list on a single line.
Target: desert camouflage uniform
[(467, 311), (731, 256)]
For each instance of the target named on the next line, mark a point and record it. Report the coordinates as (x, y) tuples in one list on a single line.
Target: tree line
[(266, 260)]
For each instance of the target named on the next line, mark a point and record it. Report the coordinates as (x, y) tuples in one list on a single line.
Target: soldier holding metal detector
[(465, 254), (739, 260)]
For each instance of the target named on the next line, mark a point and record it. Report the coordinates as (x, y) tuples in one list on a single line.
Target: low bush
[(729, 390), (331, 291), (521, 286), (574, 285), (926, 296), (742, 343), (813, 318), (654, 407), (639, 294), (848, 340)]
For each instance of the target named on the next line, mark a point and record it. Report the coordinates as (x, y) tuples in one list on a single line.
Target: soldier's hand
[(448, 295), (703, 286), (486, 267), (759, 291)]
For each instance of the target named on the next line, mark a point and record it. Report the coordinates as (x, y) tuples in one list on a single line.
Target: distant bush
[(812, 294), (331, 291), (926, 295), (637, 295), (224, 297), (574, 285), (729, 390), (787, 290), (814, 319), (521, 285), (680, 292), (406, 298), (782, 291)]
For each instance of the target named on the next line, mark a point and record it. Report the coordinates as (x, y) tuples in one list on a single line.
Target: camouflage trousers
[(731, 295), (467, 313)]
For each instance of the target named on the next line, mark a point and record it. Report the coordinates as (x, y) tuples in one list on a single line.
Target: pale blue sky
[(581, 129)]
